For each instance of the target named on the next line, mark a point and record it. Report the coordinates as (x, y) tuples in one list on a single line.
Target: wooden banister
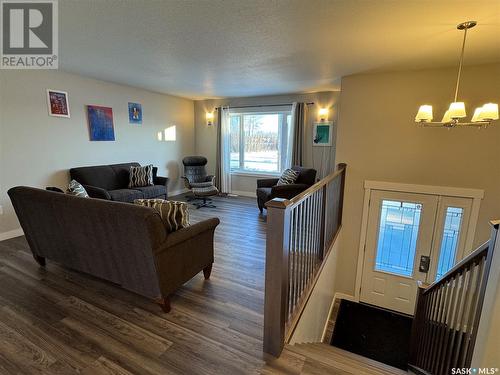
[(447, 314), (300, 232)]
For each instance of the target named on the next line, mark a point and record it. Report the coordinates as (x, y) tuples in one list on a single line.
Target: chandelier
[(454, 116)]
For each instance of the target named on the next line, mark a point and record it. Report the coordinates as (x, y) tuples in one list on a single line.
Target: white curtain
[(225, 151), (290, 132)]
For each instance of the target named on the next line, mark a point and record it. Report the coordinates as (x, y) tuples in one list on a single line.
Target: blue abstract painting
[(100, 123), (135, 113)]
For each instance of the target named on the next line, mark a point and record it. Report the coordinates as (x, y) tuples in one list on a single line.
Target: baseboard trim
[(336, 296), (345, 296), (177, 192), (249, 194), (11, 234)]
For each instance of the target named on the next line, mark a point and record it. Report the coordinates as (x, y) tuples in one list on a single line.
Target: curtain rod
[(261, 105)]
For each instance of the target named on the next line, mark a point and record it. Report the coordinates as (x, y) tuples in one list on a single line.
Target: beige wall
[(378, 140), (312, 323), (206, 137), (487, 347), (38, 150)]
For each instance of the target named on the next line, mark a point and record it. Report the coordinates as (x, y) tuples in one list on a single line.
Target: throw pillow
[(174, 215), (75, 188), (141, 176), (289, 176)]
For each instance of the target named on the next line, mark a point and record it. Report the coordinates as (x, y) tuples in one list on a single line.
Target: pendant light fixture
[(455, 114)]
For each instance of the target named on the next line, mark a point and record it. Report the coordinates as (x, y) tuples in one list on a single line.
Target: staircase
[(318, 358)]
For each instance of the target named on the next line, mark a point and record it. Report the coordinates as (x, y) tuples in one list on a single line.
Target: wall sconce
[(323, 114), (210, 118)]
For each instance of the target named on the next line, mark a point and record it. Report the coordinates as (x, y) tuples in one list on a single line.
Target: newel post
[(276, 292)]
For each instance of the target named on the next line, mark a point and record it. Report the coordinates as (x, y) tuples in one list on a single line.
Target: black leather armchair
[(198, 181), (267, 188)]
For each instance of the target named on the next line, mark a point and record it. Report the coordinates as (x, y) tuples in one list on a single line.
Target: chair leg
[(164, 303), (207, 271), (206, 202), (40, 260)]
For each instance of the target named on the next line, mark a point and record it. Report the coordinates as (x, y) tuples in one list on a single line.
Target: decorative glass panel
[(397, 238), (449, 241)]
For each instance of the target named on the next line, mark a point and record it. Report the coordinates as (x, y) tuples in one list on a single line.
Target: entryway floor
[(373, 332)]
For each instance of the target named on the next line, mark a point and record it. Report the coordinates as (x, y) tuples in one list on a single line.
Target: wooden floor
[(57, 321), (319, 358)]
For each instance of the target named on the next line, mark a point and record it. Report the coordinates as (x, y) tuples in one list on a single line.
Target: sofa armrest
[(210, 178), (158, 180), (288, 191), (192, 231), (97, 192), (267, 182)]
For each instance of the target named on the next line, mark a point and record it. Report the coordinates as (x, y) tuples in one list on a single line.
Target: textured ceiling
[(205, 49)]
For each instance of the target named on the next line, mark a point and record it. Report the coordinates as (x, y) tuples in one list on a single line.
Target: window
[(449, 241), (259, 141), (397, 240)]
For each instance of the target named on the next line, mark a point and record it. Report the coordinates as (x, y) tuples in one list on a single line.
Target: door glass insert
[(397, 237), (449, 241)]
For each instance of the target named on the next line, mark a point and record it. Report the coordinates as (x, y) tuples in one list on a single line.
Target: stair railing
[(300, 233), (447, 314)]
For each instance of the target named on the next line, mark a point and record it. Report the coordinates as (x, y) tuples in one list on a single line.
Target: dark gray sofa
[(124, 243), (111, 182)]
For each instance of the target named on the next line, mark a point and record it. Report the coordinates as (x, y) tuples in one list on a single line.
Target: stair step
[(343, 360)]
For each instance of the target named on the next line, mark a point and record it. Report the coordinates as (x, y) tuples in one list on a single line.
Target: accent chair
[(198, 181), (268, 189)]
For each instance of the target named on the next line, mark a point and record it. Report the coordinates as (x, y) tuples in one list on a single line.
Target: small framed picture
[(58, 103), (322, 133), (100, 121), (135, 113)]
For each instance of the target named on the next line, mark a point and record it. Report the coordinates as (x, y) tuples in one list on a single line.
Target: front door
[(400, 231), (410, 237)]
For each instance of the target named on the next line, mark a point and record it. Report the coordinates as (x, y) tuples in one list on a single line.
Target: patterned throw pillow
[(75, 188), (289, 176), (141, 176), (174, 215)]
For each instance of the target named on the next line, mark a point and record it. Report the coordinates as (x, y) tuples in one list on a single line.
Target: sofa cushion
[(75, 188), (289, 176), (122, 173), (306, 175), (174, 215), (141, 176), (155, 191), (125, 195)]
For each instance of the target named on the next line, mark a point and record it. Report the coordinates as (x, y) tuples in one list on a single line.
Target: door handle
[(424, 263)]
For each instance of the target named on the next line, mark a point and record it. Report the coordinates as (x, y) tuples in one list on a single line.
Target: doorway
[(410, 237)]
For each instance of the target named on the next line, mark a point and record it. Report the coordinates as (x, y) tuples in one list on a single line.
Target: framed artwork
[(58, 104), (322, 133), (135, 113), (100, 120)]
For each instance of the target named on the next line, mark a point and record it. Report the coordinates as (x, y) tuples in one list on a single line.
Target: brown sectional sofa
[(124, 243)]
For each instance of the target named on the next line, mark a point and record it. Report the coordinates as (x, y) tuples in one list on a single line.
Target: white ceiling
[(222, 48)]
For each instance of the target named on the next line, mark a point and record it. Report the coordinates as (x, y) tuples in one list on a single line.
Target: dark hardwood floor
[(57, 321)]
